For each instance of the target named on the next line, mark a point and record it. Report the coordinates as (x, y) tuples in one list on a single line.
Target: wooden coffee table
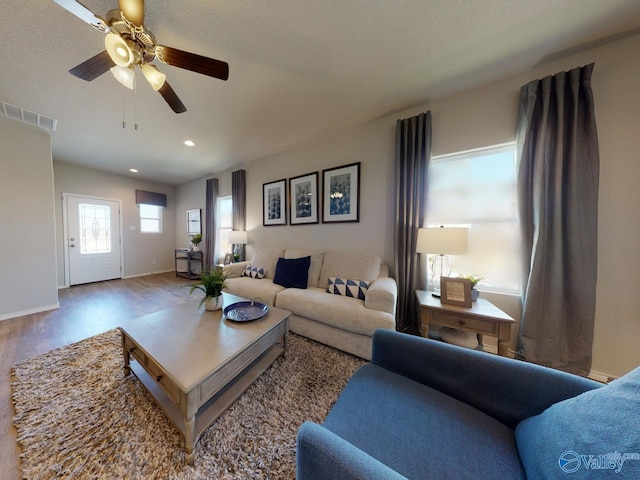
[(196, 363)]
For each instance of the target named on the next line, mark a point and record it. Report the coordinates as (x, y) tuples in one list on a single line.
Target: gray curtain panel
[(211, 203), (239, 201), (558, 176), (412, 156)]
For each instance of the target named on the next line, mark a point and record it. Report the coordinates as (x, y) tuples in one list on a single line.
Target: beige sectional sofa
[(344, 322)]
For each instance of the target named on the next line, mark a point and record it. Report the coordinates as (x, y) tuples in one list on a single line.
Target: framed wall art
[(303, 192), (455, 291), (341, 194), (194, 222), (274, 203)]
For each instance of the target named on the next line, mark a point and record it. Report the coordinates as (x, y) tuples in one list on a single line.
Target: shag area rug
[(78, 417)]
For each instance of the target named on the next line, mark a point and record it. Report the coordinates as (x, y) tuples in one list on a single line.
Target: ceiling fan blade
[(191, 61), (171, 98), (94, 67), (84, 14), (133, 10)]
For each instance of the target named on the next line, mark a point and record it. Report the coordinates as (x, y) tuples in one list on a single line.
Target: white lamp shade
[(118, 50), (238, 237), (443, 241), (154, 76), (125, 75)]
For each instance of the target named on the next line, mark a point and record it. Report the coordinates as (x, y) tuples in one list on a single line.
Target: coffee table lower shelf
[(216, 405)]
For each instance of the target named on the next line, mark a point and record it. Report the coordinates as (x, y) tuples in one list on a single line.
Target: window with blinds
[(477, 189)]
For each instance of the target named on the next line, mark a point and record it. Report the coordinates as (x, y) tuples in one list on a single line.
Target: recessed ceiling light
[(133, 170), (189, 143)]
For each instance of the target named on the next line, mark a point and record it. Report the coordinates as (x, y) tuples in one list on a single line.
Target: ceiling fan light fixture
[(154, 76), (125, 75), (119, 50)]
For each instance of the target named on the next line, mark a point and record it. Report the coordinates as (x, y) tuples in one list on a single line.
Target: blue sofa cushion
[(420, 432), (593, 435), (292, 272)]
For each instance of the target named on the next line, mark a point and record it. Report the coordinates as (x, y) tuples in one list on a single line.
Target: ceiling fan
[(129, 43)]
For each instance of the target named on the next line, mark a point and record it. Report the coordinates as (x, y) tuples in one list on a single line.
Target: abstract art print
[(303, 192), (341, 194), (274, 203)]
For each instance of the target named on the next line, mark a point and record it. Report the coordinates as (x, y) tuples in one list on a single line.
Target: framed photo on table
[(341, 194), (274, 203), (303, 193), (455, 291)]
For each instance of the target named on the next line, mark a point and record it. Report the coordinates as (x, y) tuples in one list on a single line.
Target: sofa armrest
[(508, 390), (322, 455), (382, 295), (234, 270)]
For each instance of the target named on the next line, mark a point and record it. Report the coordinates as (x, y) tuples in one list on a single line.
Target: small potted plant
[(212, 282), (474, 279), (195, 241)]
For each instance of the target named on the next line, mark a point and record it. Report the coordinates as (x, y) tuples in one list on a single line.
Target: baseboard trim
[(149, 273), (593, 374), (600, 376), (31, 311), (494, 350)]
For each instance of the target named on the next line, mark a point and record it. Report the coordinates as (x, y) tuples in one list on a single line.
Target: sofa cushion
[(314, 267), (264, 291), (420, 432), (344, 313), (253, 272), (292, 272), (347, 287), (589, 434), (356, 265), (267, 259)]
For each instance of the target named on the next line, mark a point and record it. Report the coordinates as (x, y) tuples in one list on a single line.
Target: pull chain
[(124, 124), (135, 106)]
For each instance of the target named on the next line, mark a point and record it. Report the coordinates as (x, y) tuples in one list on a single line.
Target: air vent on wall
[(25, 116)]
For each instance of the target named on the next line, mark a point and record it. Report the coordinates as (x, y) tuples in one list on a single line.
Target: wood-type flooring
[(85, 310)]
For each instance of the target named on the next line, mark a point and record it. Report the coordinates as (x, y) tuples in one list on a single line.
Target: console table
[(189, 257), (483, 318)]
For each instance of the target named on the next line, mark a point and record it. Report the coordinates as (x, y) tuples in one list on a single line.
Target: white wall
[(140, 249), (477, 118), (27, 229)]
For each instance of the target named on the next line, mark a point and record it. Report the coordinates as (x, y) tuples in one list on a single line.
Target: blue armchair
[(423, 409)]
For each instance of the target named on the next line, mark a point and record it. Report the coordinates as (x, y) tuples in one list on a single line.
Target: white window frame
[(463, 265), (143, 217), (225, 225)]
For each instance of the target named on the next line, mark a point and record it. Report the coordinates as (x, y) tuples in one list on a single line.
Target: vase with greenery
[(195, 241), (211, 283), (474, 279)]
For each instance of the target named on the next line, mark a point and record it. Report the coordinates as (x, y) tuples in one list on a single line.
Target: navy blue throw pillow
[(292, 272)]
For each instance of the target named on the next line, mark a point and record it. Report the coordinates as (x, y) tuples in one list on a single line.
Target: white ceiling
[(298, 69)]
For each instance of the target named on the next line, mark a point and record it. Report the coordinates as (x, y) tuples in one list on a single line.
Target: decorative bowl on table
[(245, 311)]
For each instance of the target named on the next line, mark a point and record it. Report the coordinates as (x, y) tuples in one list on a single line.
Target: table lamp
[(237, 238), (442, 242)]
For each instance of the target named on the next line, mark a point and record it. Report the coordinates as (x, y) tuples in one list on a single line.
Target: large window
[(150, 218), (477, 189), (225, 224)]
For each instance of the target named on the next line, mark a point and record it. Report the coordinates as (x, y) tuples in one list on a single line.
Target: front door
[(92, 239)]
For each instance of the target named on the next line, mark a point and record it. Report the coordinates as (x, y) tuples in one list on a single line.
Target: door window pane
[(95, 228)]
